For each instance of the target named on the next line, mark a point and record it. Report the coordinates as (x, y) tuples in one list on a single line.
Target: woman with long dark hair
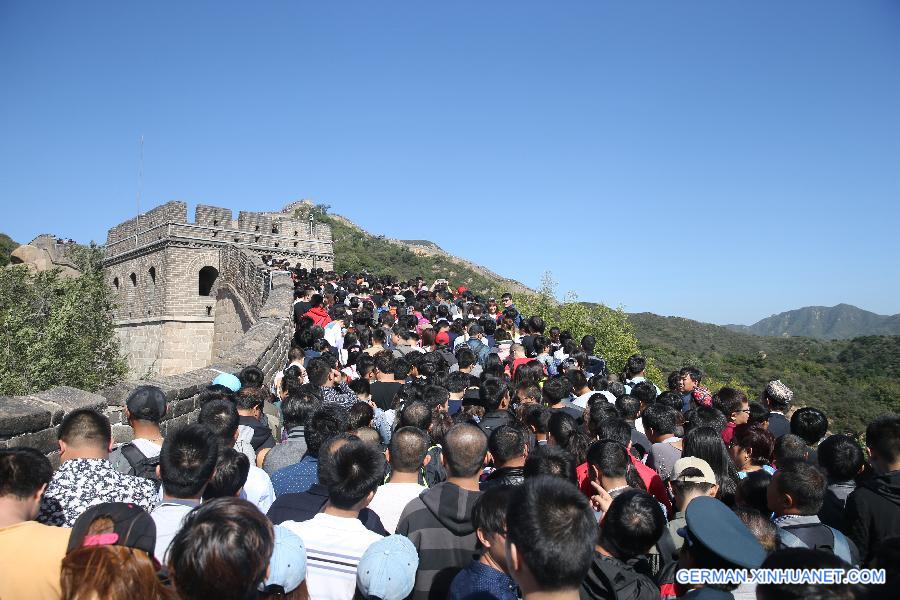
[(706, 443), (565, 433)]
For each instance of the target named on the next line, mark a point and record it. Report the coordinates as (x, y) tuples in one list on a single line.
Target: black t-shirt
[(528, 342), (383, 393), (639, 439), (300, 309)]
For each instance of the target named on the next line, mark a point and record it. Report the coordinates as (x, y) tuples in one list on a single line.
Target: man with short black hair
[(296, 410), (324, 423), (221, 416), (439, 522), (551, 532), (795, 495), (322, 373), (476, 343), (580, 389), (552, 461), (509, 452), (304, 506), (629, 409), (873, 509), (645, 393), (229, 476), (790, 447), (659, 423), (458, 384), (556, 392), (30, 553), (608, 462), (635, 368), (84, 476), (144, 409), (842, 460), (385, 386), (495, 398), (301, 302), (488, 575), (408, 456), (811, 424), (335, 539), (186, 463), (733, 404), (632, 525), (692, 393), (250, 403)]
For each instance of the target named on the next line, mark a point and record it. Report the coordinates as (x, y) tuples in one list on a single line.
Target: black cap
[(132, 527), (713, 525), (147, 403)]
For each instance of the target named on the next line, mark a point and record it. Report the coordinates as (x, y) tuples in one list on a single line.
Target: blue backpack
[(841, 546)]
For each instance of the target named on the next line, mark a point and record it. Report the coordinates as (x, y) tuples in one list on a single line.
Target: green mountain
[(852, 380), (355, 249), (824, 322)]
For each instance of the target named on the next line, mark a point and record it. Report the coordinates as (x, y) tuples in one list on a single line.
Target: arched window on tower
[(152, 274), (207, 279)]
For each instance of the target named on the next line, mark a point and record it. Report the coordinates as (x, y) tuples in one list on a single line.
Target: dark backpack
[(612, 579), (142, 466)]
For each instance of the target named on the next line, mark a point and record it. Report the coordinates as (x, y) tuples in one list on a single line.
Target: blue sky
[(717, 160)]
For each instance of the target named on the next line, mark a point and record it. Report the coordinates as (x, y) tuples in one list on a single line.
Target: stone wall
[(34, 420), (233, 319)]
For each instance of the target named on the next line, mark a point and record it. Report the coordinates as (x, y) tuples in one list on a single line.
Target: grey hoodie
[(439, 524)]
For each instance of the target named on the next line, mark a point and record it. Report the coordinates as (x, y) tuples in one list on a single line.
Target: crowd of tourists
[(424, 442)]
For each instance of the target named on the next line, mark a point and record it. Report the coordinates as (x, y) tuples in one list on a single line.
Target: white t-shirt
[(581, 401), (258, 490), (391, 499), (334, 546), (169, 516), (147, 448)]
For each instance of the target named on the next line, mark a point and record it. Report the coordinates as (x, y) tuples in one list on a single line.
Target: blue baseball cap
[(287, 568), (228, 380), (387, 569)]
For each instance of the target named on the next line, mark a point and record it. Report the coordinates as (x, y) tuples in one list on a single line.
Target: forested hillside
[(851, 380)]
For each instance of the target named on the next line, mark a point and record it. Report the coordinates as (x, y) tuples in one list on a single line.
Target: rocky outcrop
[(44, 253)]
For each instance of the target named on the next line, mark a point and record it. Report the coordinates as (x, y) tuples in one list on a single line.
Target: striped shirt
[(334, 546)]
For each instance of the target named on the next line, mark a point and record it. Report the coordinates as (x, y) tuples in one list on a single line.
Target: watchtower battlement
[(186, 291), (276, 233)]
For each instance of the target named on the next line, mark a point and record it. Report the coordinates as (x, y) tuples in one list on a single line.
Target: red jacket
[(518, 363), (318, 315), (649, 476)]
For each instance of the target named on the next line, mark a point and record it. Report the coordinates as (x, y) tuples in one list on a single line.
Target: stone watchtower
[(187, 291)]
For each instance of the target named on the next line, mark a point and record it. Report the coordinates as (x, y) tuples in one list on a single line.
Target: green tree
[(7, 245), (609, 326), (57, 331)]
